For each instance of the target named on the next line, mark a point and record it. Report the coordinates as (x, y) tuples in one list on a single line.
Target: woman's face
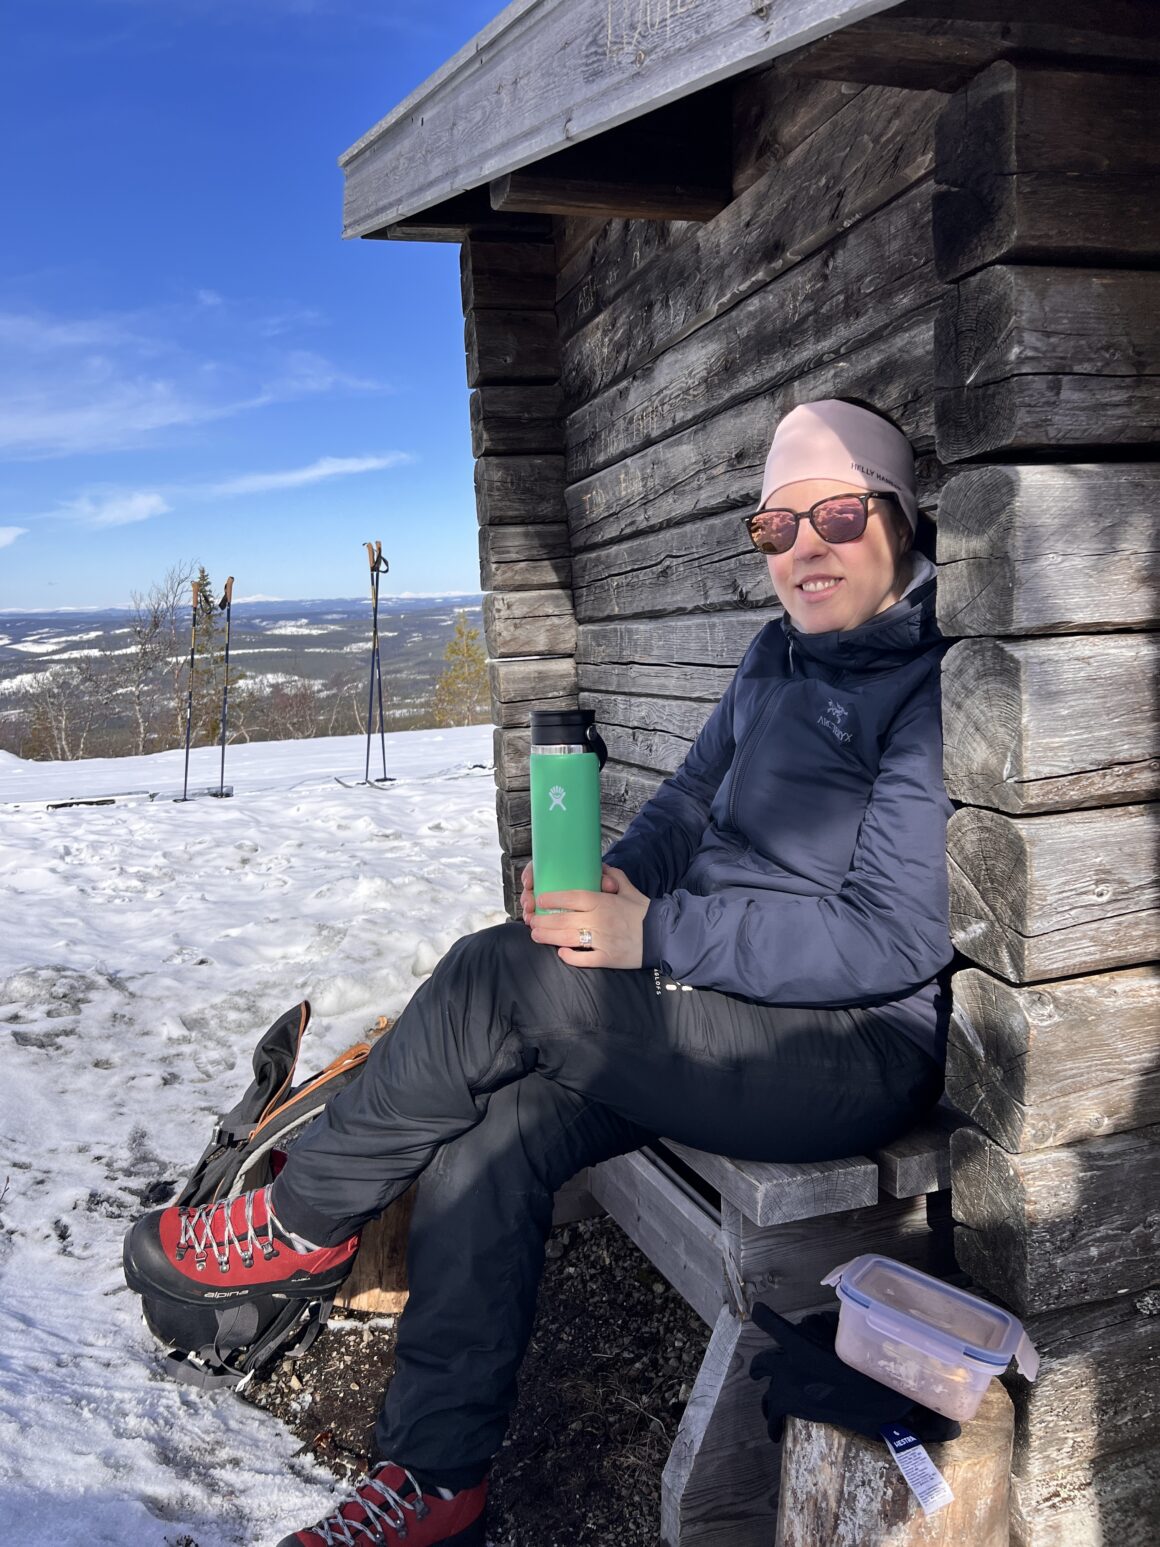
[(823, 586)]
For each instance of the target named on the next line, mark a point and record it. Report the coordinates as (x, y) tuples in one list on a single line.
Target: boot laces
[(336, 1530), (209, 1230)]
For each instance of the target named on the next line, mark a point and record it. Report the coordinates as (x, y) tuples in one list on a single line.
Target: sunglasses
[(838, 519)]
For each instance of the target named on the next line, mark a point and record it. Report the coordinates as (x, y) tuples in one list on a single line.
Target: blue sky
[(193, 364)]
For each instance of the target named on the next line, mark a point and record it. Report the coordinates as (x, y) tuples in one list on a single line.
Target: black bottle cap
[(561, 727)]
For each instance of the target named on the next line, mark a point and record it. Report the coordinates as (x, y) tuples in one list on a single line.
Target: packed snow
[(147, 945)]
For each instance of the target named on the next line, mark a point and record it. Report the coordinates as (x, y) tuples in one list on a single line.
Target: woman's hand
[(613, 916), (527, 895)]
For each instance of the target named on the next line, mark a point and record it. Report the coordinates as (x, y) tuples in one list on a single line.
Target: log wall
[(953, 216), (1046, 365)]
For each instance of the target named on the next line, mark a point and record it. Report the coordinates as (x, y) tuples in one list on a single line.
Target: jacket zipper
[(747, 744)]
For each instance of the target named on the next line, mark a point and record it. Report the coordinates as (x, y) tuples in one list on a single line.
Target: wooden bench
[(728, 1232)]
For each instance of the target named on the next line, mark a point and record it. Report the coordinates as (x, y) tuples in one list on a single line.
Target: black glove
[(808, 1380)]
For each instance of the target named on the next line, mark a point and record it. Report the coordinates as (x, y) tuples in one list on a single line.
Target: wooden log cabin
[(678, 218)]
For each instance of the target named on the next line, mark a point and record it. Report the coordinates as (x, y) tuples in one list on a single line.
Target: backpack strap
[(242, 1349), (309, 1093), (275, 1059)]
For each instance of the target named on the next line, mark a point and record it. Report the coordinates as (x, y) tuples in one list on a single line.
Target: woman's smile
[(869, 573)]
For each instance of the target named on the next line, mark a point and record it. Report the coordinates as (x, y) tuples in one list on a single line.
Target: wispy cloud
[(9, 534), (122, 507), (116, 509), (122, 381), (298, 477)]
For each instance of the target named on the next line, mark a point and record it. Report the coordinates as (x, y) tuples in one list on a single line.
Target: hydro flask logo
[(556, 796)]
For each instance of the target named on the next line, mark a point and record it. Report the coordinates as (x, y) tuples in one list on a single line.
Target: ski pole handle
[(196, 593), (227, 594)]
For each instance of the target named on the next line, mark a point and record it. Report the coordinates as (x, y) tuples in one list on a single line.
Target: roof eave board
[(547, 74)]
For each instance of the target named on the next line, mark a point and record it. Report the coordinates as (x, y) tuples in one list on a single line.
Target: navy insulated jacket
[(798, 855)]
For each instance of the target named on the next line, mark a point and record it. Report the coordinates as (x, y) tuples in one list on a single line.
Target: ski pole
[(189, 697), (381, 568), (375, 561), (227, 603)]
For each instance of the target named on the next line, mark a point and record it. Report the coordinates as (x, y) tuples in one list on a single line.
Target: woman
[(758, 976)]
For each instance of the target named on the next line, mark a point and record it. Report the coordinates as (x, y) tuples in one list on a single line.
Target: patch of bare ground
[(612, 1361)]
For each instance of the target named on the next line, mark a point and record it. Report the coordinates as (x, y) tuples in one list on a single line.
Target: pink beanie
[(831, 439)]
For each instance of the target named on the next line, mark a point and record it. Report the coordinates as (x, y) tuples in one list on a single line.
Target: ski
[(213, 792), (123, 797), (365, 784)]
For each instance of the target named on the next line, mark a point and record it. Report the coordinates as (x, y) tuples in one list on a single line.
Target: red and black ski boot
[(391, 1510), (228, 1252)]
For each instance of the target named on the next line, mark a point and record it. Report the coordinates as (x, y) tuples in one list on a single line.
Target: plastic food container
[(925, 1338)]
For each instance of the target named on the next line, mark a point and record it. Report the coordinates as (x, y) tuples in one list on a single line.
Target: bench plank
[(771, 1192), (784, 1264), (719, 1487), (920, 1161), (677, 1233)]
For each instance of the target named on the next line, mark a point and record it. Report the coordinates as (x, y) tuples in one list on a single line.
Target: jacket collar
[(890, 638)]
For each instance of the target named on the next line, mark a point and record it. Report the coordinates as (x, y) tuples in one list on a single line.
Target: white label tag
[(926, 1482)]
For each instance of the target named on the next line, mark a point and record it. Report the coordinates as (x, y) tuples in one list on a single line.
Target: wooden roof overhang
[(589, 94)]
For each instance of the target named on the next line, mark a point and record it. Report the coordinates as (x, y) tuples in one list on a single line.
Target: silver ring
[(585, 939)]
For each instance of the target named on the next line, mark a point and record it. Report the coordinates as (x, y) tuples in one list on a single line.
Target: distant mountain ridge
[(314, 638)]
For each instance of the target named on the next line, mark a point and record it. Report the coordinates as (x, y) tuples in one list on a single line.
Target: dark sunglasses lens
[(773, 531), (840, 520)]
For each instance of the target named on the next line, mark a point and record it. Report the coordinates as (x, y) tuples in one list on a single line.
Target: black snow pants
[(507, 1073)]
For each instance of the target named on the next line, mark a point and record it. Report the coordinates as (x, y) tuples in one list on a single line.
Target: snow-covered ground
[(144, 948)]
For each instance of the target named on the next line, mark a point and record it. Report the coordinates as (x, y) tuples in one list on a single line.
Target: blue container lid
[(967, 1324)]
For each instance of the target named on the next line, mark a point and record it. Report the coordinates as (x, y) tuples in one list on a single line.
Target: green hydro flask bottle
[(566, 758)]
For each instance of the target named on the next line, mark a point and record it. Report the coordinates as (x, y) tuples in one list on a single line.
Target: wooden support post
[(378, 1280), (1043, 1066), (722, 1433), (843, 1490), (1042, 166)]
